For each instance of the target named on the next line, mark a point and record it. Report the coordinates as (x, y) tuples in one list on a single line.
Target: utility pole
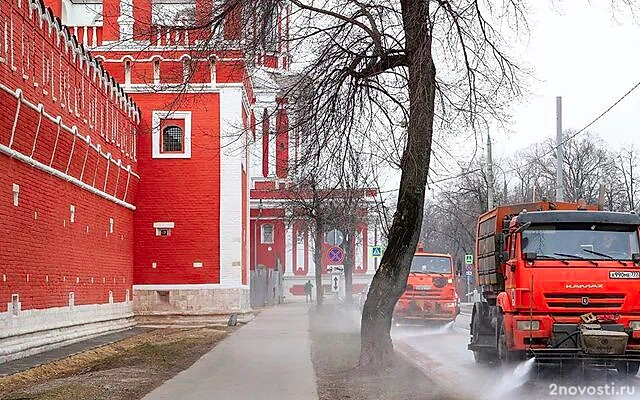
[(489, 174), (633, 200), (559, 151)]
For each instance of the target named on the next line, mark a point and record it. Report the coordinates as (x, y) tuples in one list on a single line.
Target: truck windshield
[(577, 241), (431, 264)]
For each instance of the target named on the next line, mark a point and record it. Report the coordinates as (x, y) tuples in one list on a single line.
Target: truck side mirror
[(530, 256), (505, 256), (636, 258)]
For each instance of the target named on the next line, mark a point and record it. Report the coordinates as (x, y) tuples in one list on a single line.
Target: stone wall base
[(34, 331), (170, 306)]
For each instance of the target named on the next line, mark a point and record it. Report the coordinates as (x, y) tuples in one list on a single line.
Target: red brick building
[(126, 170)]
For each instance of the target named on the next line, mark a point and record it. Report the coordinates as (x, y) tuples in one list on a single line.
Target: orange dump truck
[(561, 283), (430, 293)]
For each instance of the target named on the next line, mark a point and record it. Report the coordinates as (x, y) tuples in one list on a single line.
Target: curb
[(446, 380)]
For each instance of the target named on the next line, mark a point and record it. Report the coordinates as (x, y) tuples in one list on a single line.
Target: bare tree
[(624, 168), (377, 61)]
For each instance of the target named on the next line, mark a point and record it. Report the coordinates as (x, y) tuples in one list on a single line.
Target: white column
[(256, 147), (288, 249), (310, 250), (273, 135), (125, 20), (231, 158), (359, 256)]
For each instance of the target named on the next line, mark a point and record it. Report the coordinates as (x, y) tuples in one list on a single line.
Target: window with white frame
[(171, 134), (266, 233)]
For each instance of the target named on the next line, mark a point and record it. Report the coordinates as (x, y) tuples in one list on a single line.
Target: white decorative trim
[(164, 225), (262, 233), (62, 175), (155, 129), (170, 88), (61, 126)]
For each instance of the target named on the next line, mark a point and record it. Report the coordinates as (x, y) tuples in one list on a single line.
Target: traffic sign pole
[(468, 260)]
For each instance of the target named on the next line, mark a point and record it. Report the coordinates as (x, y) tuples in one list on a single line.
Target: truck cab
[(430, 294), (560, 285)]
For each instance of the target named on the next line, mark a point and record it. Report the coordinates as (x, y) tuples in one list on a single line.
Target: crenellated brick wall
[(68, 183)]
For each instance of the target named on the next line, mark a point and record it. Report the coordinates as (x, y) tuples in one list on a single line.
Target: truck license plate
[(624, 274), (423, 287)]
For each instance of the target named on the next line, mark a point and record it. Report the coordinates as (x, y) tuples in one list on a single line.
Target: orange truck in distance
[(561, 283), (430, 294)]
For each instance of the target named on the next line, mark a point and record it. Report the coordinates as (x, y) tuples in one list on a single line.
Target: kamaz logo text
[(584, 286)]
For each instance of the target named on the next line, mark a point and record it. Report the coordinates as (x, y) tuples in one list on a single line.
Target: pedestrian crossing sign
[(376, 251)]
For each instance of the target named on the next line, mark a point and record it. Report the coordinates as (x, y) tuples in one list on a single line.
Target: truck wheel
[(482, 357), (630, 368), (504, 354)]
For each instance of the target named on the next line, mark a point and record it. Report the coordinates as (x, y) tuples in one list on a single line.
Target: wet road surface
[(441, 352)]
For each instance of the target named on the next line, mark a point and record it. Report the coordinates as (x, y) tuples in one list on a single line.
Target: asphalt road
[(441, 352)]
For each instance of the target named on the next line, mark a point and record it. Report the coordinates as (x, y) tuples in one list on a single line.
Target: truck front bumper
[(557, 356), (426, 310)]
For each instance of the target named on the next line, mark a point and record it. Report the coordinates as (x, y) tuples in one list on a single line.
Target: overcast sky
[(588, 56)]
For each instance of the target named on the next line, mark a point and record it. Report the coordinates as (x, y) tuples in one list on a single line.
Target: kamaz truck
[(430, 295), (561, 283)]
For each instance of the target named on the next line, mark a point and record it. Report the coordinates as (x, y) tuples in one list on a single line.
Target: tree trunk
[(317, 258), (390, 280)]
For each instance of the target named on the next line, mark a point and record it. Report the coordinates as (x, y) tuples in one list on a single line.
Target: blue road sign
[(335, 255), (376, 251)]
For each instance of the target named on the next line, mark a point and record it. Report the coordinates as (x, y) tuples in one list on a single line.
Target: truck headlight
[(634, 325), (450, 280), (528, 325), (450, 305)]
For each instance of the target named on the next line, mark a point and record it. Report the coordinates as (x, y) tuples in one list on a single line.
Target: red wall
[(183, 191), (43, 255), (52, 246)]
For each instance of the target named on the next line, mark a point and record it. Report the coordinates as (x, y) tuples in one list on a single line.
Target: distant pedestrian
[(308, 288)]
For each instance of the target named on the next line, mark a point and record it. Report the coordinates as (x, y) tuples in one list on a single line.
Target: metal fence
[(266, 286)]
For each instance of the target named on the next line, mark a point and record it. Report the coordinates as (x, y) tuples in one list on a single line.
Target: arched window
[(172, 139)]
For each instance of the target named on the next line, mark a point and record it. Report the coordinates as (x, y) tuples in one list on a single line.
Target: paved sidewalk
[(269, 358)]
